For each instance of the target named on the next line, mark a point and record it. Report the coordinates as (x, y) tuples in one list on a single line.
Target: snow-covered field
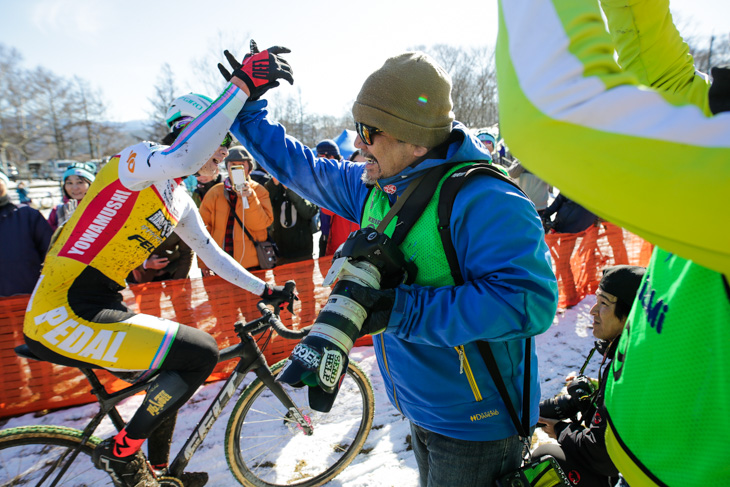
[(389, 462)]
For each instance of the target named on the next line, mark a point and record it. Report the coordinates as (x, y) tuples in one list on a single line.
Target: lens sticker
[(330, 369), (309, 356)]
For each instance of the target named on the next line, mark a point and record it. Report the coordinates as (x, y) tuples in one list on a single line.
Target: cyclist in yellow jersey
[(75, 315)]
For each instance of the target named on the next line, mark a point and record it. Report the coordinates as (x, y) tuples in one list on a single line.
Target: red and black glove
[(280, 296), (259, 70)]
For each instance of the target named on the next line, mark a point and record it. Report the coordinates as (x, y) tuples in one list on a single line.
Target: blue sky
[(119, 46)]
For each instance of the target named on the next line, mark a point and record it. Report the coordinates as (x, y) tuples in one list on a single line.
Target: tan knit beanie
[(409, 97), (238, 153)]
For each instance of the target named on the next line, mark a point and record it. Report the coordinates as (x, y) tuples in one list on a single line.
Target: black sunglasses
[(366, 132)]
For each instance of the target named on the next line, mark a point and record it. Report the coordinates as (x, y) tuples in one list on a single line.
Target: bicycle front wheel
[(35, 455), (265, 448)]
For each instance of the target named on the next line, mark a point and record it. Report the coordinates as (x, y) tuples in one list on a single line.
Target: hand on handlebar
[(280, 296)]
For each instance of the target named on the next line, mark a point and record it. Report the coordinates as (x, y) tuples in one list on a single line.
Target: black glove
[(280, 296), (377, 302), (259, 70)]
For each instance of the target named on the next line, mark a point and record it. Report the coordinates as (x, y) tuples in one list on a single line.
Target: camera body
[(367, 258), (576, 400)]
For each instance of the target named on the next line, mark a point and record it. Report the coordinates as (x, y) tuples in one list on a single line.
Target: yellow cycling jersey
[(134, 204), (113, 230)]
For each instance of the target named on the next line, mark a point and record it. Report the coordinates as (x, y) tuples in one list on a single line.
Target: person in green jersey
[(633, 120)]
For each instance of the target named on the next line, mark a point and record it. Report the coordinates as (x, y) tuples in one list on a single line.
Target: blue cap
[(487, 137), (79, 169)]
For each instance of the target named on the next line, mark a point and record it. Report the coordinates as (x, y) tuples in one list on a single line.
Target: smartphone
[(238, 176), (238, 179)]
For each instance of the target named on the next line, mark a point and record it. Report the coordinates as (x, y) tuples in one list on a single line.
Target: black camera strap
[(410, 205), (485, 349), (235, 215)]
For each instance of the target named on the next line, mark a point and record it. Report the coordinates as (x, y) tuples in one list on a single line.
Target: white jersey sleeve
[(145, 163), (192, 231)]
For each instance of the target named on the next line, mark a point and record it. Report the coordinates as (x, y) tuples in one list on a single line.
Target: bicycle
[(269, 441)]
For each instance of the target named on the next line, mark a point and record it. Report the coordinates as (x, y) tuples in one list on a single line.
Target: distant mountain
[(134, 126)]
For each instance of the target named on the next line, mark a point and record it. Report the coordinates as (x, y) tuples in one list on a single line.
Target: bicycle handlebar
[(272, 318)]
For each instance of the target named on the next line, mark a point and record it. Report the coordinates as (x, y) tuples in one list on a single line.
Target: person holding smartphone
[(238, 202)]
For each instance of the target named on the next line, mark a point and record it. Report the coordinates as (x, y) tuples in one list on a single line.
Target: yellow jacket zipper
[(464, 367), (387, 368)]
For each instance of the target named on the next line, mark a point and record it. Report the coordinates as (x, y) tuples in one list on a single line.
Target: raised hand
[(259, 70)]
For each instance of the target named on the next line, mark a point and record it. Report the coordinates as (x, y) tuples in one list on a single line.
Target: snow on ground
[(388, 461)]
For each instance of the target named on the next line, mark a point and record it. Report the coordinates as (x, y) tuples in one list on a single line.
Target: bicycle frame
[(251, 359)]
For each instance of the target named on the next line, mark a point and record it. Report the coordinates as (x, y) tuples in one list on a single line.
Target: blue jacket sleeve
[(328, 183), (510, 290)]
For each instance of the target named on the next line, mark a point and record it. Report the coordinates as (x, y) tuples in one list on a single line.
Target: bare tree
[(55, 105), (165, 94), (474, 82), (18, 128), (309, 128), (208, 79), (91, 117), (709, 51)]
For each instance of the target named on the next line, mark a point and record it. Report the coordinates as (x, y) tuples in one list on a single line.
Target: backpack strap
[(417, 202), (449, 189)]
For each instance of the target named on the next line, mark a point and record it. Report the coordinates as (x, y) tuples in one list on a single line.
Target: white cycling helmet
[(190, 105)]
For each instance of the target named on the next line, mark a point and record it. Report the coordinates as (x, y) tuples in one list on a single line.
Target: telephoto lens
[(320, 360), (335, 330)]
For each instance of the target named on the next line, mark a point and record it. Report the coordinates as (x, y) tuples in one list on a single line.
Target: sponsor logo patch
[(158, 402), (484, 415), (130, 161), (80, 340), (161, 223)]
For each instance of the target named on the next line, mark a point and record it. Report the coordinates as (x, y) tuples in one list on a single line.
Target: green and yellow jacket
[(631, 125)]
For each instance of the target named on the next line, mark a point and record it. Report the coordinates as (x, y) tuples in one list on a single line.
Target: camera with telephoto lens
[(577, 399), (320, 360)]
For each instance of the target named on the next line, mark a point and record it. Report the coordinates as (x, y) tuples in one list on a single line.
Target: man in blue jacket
[(427, 352)]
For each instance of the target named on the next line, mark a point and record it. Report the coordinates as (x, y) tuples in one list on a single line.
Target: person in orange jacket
[(253, 208)]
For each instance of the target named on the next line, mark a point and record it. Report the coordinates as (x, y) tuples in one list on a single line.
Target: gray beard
[(366, 179)]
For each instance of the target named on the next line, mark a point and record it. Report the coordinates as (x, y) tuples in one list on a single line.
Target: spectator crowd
[(491, 246)]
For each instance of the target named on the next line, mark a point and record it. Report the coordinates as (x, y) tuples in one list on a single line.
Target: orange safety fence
[(578, 258), (210, 304), (214, 305)]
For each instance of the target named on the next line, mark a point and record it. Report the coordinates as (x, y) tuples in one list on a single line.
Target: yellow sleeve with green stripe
[(579, 122), (650, 47)]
